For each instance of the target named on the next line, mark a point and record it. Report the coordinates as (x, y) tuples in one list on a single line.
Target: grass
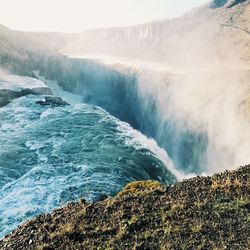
[(140, 187), (235, 205)]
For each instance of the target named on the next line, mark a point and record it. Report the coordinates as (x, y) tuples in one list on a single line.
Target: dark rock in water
[(53, 101), (199, 213)]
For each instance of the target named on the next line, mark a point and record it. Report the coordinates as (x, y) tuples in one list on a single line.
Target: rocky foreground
[(200, 213)]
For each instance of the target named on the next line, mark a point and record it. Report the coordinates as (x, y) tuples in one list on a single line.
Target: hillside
[(22, 52), (215, 33), (199, 213)]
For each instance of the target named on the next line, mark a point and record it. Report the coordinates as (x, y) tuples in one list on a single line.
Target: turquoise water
[(49, 156)]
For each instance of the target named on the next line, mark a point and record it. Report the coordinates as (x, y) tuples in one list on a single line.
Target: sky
[(79, 15)]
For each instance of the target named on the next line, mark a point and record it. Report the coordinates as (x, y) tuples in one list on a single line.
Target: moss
[(228, 182), (140, 187), (133, 220)]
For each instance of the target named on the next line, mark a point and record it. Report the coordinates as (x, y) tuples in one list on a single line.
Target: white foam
[(138, 140)]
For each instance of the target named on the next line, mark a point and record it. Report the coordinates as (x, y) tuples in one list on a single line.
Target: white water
[(135, 139), (52, 155)]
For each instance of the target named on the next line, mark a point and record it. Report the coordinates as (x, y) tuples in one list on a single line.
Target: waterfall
[(199, 117)]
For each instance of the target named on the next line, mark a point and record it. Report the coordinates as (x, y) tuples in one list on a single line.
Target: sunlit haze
[(78, 15)]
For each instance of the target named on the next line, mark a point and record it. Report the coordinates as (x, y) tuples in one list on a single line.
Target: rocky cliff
[(199, 213), (218, 32)]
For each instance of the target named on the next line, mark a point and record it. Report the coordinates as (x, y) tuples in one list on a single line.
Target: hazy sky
[(77, 15)]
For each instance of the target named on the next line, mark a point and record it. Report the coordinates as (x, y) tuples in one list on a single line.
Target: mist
[(184, 82), (213, 108)]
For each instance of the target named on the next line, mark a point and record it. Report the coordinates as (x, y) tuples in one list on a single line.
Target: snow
[(17, 83)]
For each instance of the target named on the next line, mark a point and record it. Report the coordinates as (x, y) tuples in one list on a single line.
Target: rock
[(12, 87), (52, 101)]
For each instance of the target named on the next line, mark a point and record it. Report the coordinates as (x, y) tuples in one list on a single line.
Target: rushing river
[(52, 155)]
